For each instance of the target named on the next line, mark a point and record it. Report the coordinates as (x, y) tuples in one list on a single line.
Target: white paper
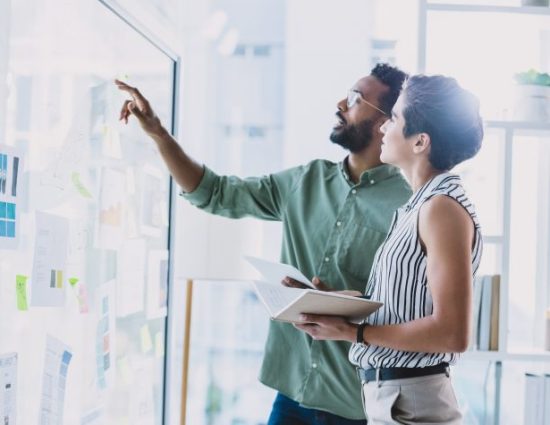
[(56, 367), (106, 336), (112, 198), (111, 142), (8, 388), (93, 417), (276, 297), (141, 406), (50, 256), (275, 272), (130, 286), (157, 284), (153, 193), (11, 169)]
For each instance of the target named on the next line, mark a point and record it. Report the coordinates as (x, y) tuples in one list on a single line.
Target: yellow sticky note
[(146, 341), (159, 344), (21, 290), (59, 279)]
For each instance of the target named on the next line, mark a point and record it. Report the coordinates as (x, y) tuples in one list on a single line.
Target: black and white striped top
[(398, 277)]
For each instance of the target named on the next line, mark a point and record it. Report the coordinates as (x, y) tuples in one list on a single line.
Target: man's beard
[(355, 137)]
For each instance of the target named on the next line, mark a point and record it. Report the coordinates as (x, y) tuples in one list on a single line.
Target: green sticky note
[(75, 178), (21, 290), (73, 281)]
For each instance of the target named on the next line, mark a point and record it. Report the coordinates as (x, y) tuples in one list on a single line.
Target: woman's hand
[(332, 328), (293, 283)]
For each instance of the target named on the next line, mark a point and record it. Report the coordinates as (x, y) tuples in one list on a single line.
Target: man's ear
[(422, 143)]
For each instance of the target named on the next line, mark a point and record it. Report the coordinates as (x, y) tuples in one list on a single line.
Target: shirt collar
[(427, 188), (371, 176)]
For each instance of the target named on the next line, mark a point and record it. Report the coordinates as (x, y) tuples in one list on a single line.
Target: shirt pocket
[(357, 255)]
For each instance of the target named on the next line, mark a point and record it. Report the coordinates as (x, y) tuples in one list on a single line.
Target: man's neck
[(360, 162)]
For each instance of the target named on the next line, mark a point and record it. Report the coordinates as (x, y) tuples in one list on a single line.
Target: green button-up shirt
[(331, 229)]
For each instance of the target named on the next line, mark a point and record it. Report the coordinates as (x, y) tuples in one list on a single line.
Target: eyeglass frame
[(354, 94)]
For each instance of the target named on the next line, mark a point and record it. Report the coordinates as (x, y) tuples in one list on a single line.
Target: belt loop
[(358, 372), (378, 383)]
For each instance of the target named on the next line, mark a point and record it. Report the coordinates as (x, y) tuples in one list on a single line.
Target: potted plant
[(532, 96)]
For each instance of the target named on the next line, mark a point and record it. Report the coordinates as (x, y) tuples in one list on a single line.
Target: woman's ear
[(422, 143)]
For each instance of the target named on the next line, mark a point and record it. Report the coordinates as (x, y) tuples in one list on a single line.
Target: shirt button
[(354, 191), (314, 365), (327, 259), (338, 223)]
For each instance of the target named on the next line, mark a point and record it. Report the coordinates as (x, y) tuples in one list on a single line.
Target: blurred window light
[(464, 54), (229, 42), (215, 25)]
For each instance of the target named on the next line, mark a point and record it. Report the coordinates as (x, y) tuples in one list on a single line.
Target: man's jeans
[(288, 412)]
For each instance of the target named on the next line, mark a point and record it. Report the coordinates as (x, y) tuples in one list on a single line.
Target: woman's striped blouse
[(398, 277)]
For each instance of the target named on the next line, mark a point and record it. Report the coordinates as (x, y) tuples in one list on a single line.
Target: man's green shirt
[(331, 229)]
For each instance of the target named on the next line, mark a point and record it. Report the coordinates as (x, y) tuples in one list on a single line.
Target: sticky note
[(83, 299), (75, 178), (159, 344), (146, 341), (59, 278), (21, 290)]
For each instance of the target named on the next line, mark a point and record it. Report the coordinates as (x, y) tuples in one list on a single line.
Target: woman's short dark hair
[(438, 106)]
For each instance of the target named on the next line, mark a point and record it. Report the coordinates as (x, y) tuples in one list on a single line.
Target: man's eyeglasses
[(354, 96)]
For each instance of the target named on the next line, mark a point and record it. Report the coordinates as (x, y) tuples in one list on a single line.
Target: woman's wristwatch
[(360, 339)]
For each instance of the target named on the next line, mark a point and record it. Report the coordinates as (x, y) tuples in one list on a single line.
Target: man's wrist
[(157, 130)]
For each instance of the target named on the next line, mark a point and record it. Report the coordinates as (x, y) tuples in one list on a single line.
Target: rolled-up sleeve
[(230, 196)]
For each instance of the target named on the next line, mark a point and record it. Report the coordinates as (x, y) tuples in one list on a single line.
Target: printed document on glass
[(286, 304), (8, 388), (50, 257), (54, 379), (275, 272)]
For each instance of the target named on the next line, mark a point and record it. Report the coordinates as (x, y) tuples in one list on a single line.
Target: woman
[(423, 272)]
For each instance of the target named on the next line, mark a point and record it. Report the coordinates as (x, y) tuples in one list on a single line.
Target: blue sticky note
[(3, 210), (67, 357), (3, 228), (10, 213), (10, 229)]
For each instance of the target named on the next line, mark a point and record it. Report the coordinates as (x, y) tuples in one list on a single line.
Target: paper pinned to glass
[(8, 387), (275, 272)]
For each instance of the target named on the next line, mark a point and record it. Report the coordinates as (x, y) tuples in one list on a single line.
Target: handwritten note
[(21, 290)]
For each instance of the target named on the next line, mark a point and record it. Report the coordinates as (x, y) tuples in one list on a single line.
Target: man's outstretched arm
[(186, 172)]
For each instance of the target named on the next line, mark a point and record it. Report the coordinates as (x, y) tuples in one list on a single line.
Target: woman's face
[(396, 148)]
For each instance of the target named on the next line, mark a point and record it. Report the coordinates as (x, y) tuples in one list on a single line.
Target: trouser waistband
[(389, 373)]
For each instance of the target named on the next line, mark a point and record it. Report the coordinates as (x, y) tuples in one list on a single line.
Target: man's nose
[(342, 105)]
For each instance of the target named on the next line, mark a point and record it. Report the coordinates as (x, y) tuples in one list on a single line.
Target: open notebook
[(286, 304)]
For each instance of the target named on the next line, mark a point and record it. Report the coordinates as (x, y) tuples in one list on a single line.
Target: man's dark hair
[(438, 106), (393, 78)]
